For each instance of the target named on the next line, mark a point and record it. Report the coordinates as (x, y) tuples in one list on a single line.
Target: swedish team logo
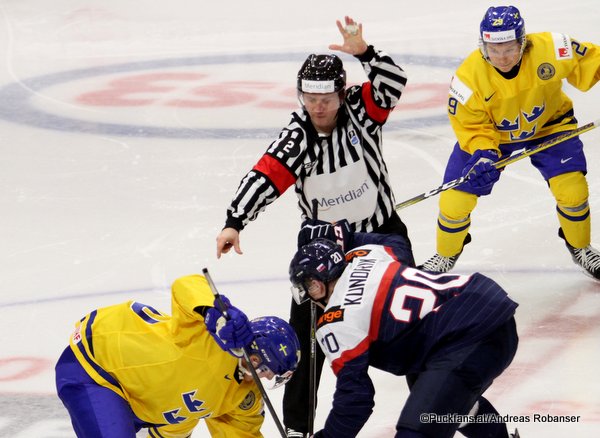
[(248, 401), (546, 71)]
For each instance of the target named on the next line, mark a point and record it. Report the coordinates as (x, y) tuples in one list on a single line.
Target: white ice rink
[(125, 127)]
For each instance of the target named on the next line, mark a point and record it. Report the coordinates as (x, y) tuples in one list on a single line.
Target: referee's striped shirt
[(299, 150)]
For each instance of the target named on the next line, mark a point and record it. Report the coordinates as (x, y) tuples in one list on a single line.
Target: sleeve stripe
[(154, 433), (384, 287), (363, 345), (373, 111), (281, 177), (348, 355), (89, 363)]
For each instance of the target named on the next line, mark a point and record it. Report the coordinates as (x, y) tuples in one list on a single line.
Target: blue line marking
[(56, 299), (129, 292)]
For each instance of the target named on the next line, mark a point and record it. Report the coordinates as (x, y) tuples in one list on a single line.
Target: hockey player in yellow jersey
[(130, 366), (508, 96)]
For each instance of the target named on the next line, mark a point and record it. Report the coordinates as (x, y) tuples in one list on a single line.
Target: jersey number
[(452, 104), (423, 293), (147, 313), (578, 48)]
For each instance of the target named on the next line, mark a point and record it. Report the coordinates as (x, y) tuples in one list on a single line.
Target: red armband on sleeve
[(375, 112), (281, 177)]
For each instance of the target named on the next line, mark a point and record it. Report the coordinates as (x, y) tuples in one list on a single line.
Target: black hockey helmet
[(321, 74), (322, 260)]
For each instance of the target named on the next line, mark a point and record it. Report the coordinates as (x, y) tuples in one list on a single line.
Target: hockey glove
[(480, 169), (232, 333), (338, 232)]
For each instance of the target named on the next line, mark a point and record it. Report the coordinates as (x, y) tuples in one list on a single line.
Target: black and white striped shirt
[(300, 154)]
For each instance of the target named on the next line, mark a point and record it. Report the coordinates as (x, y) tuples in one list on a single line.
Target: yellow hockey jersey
[(486, 109), (169, 368)]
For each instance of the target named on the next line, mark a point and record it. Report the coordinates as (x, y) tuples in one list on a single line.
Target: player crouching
[(129, 366), (450, 335)]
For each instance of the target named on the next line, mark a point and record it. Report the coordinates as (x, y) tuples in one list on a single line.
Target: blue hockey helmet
[(276, 345), (501, 24), (322, 260), (321, 74)]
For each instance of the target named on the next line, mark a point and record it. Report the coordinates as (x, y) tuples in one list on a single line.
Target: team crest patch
[(248, 401), (335, 314), (357, 253), (546, 71)]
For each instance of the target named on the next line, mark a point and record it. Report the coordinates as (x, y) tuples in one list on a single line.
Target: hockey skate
[(439, 263), (588, 258)]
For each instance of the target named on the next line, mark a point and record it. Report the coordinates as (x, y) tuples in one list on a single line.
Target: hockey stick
[(223, 309), (502, 163), (312, 376)]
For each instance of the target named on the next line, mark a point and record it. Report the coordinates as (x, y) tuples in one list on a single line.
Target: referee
[(330, 151)]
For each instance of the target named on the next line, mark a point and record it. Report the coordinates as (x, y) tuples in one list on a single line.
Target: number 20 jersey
[(397, 315)]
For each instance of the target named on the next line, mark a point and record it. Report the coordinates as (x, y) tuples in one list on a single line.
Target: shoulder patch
[(546, 71), (334, 314), (248, 402), (562, 46), (459, 90), (76, 336), (357, 253)]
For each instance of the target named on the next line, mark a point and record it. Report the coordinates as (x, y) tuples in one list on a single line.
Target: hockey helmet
[(276, 345), (322, 260), (321, 74), (501, 24)]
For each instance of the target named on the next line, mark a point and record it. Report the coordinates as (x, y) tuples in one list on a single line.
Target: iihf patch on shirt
[(334, 314), (353, 137), (248, 401)]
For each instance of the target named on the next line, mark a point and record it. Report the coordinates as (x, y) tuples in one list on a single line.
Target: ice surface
[(125, 128)]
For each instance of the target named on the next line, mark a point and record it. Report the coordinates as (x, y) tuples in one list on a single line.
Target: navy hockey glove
[(339, 232), (480, 169), (232, 333)]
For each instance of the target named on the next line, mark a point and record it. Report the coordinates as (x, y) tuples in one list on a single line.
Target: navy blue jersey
[(385, 314)]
